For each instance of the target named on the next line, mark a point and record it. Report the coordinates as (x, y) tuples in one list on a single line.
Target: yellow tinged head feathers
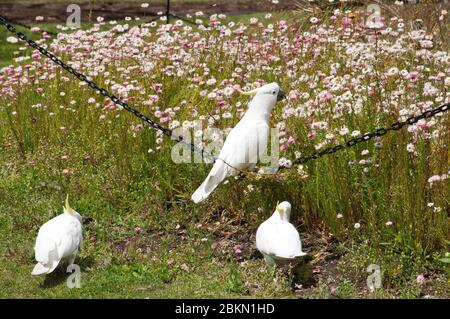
[(250, 93), (279, 209), (67, 208)]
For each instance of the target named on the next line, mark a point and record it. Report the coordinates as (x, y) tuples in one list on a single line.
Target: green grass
[(7, 53), (137, 280), (114, 180), (114, 261), (11, 50), (117, 264)]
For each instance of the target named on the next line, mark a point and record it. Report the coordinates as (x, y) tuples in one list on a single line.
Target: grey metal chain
[(376, 133), (302, 160), (102, 91)]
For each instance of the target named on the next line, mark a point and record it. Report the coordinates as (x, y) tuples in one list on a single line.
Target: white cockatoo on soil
[(246, 142), (58, 239), (277, 239)]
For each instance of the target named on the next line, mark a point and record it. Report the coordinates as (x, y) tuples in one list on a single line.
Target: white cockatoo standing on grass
[(246, 142), (58, 239), (277, 239)]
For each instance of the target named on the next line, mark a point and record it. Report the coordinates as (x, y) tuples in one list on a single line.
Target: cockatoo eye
[(274, 92)]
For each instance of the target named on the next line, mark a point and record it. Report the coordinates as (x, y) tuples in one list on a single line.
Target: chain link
[(377, 133), (166, 131)]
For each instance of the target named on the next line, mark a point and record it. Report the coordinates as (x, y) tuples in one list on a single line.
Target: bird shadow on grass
[(54, 279), (300, 271), (302, 274), (60, 275)]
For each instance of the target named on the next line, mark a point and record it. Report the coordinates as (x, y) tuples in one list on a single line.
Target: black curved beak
[(281, 95)]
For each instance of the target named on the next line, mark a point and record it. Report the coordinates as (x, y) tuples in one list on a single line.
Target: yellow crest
[(251, 93), (67, 208), (279, 209)]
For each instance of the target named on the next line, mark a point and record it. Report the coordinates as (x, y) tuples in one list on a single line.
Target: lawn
[(376, 203)]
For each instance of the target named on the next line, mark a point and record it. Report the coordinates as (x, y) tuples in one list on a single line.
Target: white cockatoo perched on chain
[(246, 142), (277, 239), (58, 239)]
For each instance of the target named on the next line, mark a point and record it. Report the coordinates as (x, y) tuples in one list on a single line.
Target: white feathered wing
[(278, 241), (240, 151), (57, 239)]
